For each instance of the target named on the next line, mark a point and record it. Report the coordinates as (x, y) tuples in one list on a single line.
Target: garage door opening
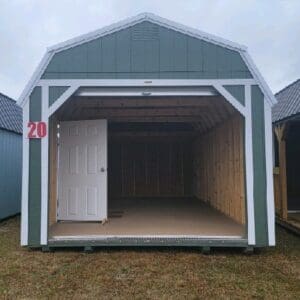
[(175, 167)]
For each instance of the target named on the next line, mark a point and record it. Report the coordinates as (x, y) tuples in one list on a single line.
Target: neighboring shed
[(286, 123), (159, 132), (10, 157)]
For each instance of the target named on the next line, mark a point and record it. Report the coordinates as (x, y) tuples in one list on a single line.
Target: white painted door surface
[(82, 181)]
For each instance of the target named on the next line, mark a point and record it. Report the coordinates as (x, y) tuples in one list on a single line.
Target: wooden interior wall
[(149, 167), (219, 168), (52, 171)]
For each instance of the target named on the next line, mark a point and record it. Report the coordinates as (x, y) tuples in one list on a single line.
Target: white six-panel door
[(82, 180)]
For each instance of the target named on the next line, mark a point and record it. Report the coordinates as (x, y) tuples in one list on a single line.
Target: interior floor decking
[(155, 217)]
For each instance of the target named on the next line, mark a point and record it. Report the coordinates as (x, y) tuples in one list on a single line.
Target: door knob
[(102, 169)]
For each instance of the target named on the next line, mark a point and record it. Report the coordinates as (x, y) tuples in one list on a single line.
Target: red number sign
[(37, 130)]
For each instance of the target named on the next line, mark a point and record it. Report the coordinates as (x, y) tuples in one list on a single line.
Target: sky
[(269, 28)]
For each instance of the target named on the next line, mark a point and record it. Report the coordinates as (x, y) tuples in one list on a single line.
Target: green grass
[(157, 273)]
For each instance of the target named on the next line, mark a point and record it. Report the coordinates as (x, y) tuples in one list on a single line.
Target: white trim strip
[(44, 168), (143, 82), (269, 174), (105, 237), (249, 166), (234, 102), (61, 100), (25, 178)]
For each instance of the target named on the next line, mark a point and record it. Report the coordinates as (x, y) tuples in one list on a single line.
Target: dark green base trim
[(47, 249), (248, 250), (150, 242), (205, 250), (88, 249)]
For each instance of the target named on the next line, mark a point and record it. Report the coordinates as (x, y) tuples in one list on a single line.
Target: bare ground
[(156, 273)]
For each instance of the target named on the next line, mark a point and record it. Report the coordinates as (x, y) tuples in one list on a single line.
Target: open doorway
[(175, 167)]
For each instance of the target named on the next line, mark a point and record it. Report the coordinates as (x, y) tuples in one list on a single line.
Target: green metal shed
[(147, 132), (10, 157)]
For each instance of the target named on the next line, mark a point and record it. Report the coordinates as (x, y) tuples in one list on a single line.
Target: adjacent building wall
[(10, 173)]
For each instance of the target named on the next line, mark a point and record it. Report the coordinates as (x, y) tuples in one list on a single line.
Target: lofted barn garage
[(147, 133)]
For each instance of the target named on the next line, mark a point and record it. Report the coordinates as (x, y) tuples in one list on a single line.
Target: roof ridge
[(289, 85), (8, 98)]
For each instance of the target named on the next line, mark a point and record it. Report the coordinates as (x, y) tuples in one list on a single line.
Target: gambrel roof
[(288, 104), (242, 50), (10, 114)]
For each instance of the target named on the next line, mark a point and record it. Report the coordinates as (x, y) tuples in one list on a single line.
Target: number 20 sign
[(37, 130)]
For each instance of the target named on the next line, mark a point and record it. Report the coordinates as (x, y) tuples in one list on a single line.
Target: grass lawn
[(148, 273)]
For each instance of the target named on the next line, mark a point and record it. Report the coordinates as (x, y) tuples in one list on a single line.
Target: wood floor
[(155, 217)]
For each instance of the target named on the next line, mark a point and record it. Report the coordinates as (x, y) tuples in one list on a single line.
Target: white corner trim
[(44, 168), (25, 178), (259, 78), (249, 167), (61, 100), (269, 174), (232, 100)]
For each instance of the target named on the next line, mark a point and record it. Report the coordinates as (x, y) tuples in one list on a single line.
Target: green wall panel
[(55, 92), (147, 50), (237, 91), (10, 173), (34, 192), (259, 167)]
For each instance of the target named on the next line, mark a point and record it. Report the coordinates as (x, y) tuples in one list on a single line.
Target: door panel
[(82, 171)]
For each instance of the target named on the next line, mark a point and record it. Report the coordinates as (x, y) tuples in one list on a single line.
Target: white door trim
[(44, 168), (218, 84), (269, 174), (75, 84), (249, 166)]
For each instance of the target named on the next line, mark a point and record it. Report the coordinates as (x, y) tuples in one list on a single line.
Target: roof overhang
[(156, 20)]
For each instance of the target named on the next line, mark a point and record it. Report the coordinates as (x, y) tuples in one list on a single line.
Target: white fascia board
[(35, 78), (153, 19)]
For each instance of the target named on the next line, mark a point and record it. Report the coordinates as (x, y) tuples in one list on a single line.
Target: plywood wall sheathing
[(219, 168)]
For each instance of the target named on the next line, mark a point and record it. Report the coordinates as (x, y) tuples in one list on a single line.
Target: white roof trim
[(141, 18), (130, 22)]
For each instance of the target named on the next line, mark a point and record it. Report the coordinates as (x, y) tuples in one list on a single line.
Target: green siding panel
[(237, 91), (147, 50), (55, 92), (34, 193), (259, 167)]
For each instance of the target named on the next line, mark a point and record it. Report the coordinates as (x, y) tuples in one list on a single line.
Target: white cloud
[(269, 28)]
